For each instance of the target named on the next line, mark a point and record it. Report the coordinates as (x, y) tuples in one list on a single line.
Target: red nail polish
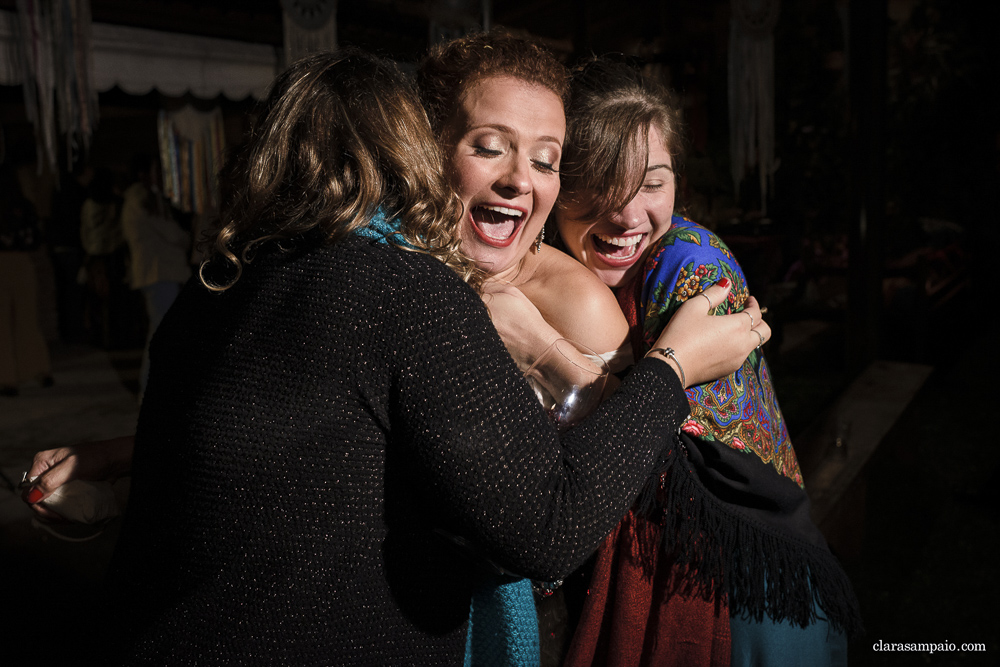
[(35, 495), (724, 282)]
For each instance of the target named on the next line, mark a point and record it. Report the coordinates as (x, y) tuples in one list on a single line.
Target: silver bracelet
[(669, 352)]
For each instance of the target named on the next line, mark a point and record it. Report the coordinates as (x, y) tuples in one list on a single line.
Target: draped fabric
[(310, 26), (724, 531), (139, 60), (740, 410), (57, 72), (643, 609), (734, 503), (192, 149), (751, 91)]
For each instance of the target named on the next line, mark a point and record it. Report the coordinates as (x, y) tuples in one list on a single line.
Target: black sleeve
[(500, 475)]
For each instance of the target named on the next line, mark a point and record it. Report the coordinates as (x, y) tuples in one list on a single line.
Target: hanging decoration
[(751, 91), (310, 26), (451, 19), (10, 49), (192, 148), (57, 75)]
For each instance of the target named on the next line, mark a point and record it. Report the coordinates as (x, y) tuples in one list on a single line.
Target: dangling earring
[(538, 240)]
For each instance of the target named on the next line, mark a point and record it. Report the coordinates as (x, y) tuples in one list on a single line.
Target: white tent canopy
[(138, 61)]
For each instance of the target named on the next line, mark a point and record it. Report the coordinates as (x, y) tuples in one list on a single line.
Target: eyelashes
[(540, 165), (546, 167), (657, 185)]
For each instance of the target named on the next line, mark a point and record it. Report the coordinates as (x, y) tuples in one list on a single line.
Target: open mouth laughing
[(618, 250), (495, 225)]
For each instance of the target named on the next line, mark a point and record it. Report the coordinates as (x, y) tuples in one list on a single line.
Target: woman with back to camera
[(722, 565), (329, 398)]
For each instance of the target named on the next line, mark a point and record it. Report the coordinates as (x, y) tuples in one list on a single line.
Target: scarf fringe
[(761, 571)]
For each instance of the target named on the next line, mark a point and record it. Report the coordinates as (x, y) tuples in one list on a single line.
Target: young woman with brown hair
[(719, 563)]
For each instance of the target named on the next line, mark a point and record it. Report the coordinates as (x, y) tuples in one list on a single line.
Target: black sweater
[(308, 435)]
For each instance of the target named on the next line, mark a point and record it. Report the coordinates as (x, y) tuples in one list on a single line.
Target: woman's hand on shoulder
[(520, 324), (712, 346)]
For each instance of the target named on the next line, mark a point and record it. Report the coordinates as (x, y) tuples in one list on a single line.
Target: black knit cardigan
[(307, 439)]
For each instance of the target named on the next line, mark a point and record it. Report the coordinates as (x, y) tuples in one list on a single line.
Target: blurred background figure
[(24, 354), (62, 235), (158, 246), (104, 242)]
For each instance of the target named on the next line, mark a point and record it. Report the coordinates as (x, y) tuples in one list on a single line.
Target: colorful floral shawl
[(740, 410)]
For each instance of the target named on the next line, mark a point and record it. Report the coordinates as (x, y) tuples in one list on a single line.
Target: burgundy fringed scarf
[(640, 610)]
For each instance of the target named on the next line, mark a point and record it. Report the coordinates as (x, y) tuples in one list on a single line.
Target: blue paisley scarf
[(740, 410), (730, 498)]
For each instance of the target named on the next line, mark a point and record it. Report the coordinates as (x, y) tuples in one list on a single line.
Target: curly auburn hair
[(450, 68), (607, 135), (340, 136)]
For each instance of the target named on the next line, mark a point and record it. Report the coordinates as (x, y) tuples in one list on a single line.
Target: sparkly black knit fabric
[(307, 436)]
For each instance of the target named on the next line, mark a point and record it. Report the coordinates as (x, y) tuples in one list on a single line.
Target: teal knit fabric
[(503, 626), (382, 230)]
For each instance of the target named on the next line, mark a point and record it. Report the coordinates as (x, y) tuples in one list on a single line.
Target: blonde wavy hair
[(340, 136)]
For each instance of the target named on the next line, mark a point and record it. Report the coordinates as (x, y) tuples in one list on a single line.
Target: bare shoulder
[(575, 302)]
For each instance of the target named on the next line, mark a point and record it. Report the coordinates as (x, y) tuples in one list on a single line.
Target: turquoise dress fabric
[(503, 626), (769, 643), (382, 230)]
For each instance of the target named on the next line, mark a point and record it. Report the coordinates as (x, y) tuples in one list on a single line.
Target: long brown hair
[(340, 136), (608, 120)]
